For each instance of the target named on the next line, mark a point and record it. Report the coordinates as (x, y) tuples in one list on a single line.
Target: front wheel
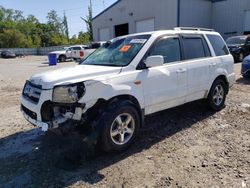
[(241, 57), (120, 126), (217, 95)]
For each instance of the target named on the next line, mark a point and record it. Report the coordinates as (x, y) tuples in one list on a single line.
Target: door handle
[(182, 70)]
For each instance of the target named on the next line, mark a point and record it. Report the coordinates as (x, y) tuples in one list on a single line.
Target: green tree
[(12, 38), (88, 21), (84, 37), (65, 24)]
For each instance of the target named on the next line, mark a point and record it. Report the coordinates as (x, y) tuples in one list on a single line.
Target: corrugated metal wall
[(130, 11), (228, 16), (195, 13)]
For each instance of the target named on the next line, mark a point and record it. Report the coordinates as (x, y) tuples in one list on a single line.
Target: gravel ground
[(187, 146)]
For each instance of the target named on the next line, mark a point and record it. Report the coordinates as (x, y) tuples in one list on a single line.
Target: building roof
[(105, 10)]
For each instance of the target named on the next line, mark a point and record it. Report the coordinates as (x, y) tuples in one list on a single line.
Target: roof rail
[(193, 28)]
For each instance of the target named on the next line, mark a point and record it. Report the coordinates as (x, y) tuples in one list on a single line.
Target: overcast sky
[(74, 9)]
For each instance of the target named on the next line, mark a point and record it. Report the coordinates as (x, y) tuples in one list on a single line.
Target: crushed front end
[(53, 108)]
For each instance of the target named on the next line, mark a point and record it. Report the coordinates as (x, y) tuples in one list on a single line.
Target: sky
[(74, 10)]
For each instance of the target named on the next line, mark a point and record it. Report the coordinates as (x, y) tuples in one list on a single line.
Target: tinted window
[(236, 40), (218, 44), (193, 48), (76, 48), (169, 48), (247, 41)]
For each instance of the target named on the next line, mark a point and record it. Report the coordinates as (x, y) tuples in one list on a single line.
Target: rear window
[(218, 44), (76, 48), (194, 48)]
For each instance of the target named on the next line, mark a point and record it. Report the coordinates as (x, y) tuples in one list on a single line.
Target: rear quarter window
[(218, 45)]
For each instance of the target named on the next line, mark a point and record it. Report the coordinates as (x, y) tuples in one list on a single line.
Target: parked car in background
[(77, 52), (113, 89), (239, 47), (8, 54), (245, 67), (61, 54), (95, 45)]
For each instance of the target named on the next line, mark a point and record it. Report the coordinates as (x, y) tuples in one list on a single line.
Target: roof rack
[(192, 28)]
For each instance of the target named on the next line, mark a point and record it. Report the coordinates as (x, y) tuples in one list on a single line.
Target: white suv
[(130, 77)]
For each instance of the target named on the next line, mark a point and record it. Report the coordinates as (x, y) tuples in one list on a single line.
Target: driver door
[(165, 86)]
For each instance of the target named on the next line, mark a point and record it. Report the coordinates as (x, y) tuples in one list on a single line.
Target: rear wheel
[(120, 125), (217, 95), (62, 58)]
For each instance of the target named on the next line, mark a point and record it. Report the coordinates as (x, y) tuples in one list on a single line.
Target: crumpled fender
[(102, 90)]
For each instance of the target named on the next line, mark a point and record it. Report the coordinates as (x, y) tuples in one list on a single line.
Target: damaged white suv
[(130, 77)]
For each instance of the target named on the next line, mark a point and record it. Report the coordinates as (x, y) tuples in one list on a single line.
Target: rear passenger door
[(196, 54), (76, 52)]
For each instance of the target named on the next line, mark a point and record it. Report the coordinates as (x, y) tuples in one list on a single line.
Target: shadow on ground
[(61, 161), (245, 81)]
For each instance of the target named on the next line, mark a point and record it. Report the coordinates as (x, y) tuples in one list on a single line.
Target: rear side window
[(218, 44), (76, 48), (194, 47)]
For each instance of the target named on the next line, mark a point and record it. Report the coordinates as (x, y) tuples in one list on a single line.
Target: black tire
[(108, 122), (215, 101), (62, 58), (241, 57)]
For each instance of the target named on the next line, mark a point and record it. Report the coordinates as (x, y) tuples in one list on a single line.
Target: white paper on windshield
[(138, 41)]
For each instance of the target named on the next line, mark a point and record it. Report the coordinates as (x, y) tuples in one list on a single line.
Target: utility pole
[(103, 3)]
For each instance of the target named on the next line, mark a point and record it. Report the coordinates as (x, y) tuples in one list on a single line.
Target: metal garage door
[(145, 25), (104, 34), (247, 21)]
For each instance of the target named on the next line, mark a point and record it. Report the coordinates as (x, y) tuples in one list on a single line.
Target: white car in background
[(76, 52), (113, 89), (72, 52)]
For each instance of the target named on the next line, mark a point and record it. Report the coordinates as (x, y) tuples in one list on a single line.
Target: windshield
[(119, 52), (236, 40)]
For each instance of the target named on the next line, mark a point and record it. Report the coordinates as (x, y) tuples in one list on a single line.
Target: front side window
[(193, 48), (119, 52), (218, 44), (169, 48)]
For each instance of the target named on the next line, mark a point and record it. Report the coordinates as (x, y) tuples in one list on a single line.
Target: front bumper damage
[(55, 115), (42, 125)]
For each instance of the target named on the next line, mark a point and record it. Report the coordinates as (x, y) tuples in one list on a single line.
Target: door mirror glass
[(154, 61)]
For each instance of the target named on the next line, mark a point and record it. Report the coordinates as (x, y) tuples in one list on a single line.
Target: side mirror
[(154, 61)]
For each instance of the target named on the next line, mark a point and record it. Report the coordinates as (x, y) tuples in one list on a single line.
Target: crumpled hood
[(78, 73)]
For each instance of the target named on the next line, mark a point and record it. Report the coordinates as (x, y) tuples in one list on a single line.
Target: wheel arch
[(102, 104), (221, 77)]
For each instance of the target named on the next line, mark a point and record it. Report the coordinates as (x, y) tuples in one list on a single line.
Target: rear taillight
[(81, 53)]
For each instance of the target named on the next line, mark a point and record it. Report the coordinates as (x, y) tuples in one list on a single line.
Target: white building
[(229, 17)]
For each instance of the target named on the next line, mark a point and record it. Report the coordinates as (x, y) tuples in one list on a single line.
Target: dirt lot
[(187, 146)]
